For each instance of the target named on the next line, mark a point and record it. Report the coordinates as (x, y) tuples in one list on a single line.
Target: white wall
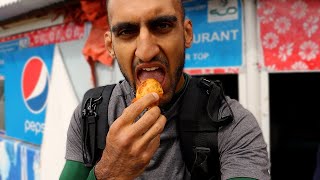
[(79, 70)]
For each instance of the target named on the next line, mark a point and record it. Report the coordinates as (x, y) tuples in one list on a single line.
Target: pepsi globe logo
[(35, 84)]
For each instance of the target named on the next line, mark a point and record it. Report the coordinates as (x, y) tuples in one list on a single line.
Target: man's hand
[(130, 145)]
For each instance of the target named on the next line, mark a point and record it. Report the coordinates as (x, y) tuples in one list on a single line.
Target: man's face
[(148, 38)]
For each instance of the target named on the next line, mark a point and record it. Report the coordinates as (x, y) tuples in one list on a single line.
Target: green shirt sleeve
[(77, 171), (92, 176)]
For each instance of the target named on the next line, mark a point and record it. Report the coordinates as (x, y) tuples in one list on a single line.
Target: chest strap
[(198, 126)]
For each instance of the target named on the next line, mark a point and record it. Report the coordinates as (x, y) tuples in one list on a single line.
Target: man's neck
[(178, 93)]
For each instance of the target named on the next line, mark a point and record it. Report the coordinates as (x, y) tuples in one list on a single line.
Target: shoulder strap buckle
[(209, 85), (90, 107), (201, 159), (206, 84)]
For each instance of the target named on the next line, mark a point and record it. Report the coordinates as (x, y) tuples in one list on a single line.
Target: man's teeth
[(150, 69)]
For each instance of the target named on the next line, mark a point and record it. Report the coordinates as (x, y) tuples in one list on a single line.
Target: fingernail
[(155, 95)]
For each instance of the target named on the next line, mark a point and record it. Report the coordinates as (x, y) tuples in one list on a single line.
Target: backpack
[(197, 127)]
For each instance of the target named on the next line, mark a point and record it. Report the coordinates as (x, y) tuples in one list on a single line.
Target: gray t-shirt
[(243, 151)]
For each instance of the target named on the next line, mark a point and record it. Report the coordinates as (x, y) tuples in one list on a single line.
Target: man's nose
[(147, 47)]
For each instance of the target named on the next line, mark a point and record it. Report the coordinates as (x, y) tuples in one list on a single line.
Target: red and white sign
[(50, 35), (290, 34), (198, 71)]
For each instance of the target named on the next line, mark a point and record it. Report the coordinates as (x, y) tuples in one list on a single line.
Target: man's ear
[(188, 33), (108, 43)]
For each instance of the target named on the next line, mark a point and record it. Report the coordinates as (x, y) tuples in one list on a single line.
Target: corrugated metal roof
[(11, 8), (4, 3)]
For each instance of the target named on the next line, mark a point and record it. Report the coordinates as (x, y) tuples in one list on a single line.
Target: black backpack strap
[(216, 95), (198, 128), (95, 123)]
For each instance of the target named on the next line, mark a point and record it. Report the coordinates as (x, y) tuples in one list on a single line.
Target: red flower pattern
[(290, 34)]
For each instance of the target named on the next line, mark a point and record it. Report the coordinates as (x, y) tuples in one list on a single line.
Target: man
[(148, 38)]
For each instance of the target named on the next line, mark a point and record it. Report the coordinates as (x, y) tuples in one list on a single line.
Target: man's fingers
[(154, 131), (146, 121), (152, 147), (132, 112)]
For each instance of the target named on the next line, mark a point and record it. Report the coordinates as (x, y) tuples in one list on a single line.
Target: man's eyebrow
[(122, 25), (163, 19)]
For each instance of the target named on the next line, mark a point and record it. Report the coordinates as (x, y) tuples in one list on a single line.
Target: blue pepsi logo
[(35, 84)]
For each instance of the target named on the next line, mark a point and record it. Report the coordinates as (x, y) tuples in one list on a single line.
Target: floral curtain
[(290, 34)]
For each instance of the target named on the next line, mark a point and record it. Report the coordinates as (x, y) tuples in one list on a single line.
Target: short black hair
[(179, 1), (182, 9)]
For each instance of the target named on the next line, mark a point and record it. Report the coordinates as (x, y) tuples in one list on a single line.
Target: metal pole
[(255, 85)]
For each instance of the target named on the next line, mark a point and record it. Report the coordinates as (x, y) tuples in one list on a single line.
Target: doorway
[(294, 124)]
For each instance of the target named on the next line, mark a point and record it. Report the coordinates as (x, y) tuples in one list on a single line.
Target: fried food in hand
[(148, 86)]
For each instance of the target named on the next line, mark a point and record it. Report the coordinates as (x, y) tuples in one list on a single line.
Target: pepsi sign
[(35, 84), (26, 90)]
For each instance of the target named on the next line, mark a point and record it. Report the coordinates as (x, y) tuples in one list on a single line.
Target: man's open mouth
[(147, 72)]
